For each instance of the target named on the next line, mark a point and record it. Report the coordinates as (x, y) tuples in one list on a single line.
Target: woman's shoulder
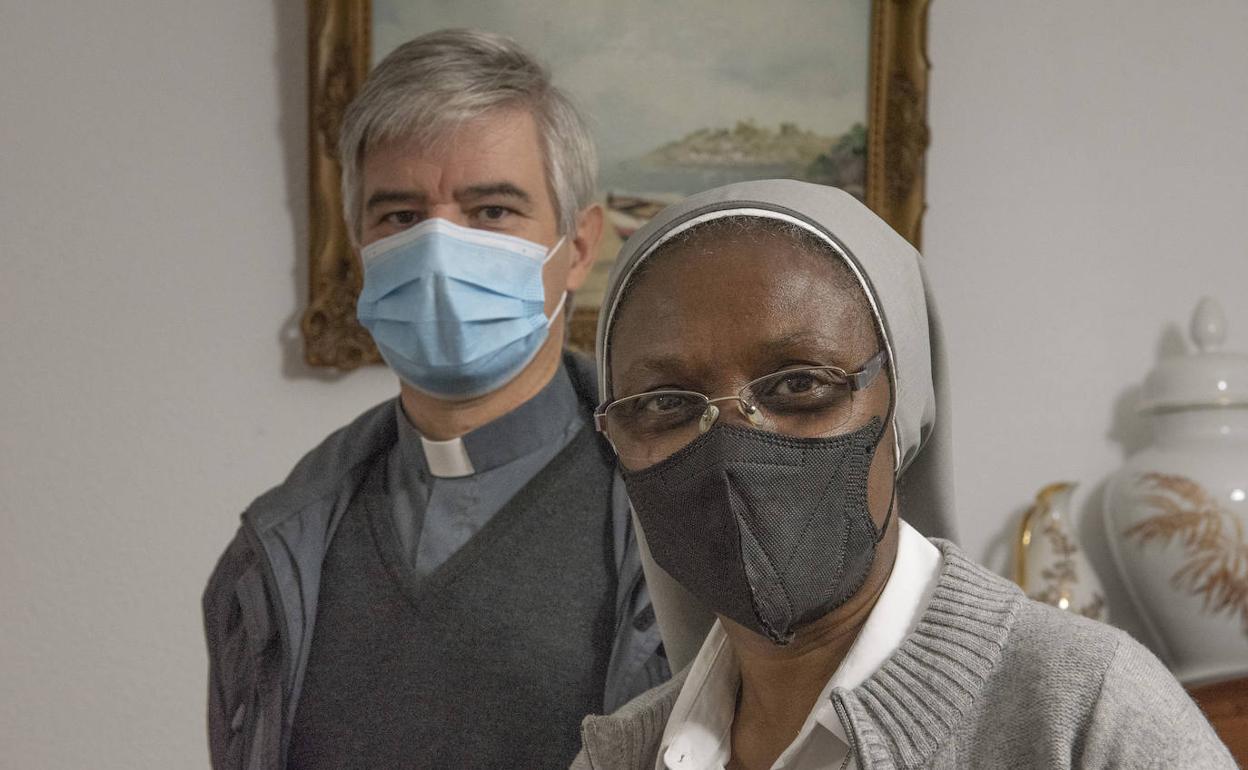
[(1129, 708), (1082, 686), (1026, 645), (1069, 637), (629, 737), (1036, 634)]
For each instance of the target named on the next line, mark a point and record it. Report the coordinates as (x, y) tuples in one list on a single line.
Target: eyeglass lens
[(805, 403)]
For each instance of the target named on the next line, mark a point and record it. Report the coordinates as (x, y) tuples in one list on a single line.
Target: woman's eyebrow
[(656, 366), (804, 344)]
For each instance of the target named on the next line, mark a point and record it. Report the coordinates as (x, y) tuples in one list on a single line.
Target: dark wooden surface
[(1226, 705)]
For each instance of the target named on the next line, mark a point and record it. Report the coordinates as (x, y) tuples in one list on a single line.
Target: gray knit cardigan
[(988, 679)]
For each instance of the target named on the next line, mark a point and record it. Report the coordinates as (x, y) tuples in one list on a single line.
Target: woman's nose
[(740, 413)]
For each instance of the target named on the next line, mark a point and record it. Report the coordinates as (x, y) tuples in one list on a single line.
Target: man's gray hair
[(428, 87)]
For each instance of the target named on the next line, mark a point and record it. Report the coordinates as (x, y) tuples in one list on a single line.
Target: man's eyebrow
[(502, 189), (395, 196)]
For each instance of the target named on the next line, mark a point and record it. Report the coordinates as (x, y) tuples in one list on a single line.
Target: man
[(451, 580)]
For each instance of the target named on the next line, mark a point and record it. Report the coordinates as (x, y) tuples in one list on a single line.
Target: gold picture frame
[(338, 61)]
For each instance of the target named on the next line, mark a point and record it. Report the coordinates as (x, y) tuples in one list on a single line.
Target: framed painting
[(681, 97)]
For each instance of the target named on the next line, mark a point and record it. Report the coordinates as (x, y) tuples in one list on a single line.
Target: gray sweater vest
[(492, 660)]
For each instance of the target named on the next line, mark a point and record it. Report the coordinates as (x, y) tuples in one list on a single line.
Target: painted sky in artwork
[(648, 73)]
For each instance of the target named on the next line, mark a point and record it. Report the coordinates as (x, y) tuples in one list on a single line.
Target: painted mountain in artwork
[(801, 154)]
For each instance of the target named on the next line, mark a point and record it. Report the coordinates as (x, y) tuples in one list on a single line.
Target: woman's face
[(716, 315)]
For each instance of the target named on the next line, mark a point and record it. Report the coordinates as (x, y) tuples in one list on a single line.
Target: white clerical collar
[(543, 419), (698, 733), (447, 459)]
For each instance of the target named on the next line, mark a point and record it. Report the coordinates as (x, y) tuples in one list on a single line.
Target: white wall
[(1086, 174), (1087, 184), (151, 234)]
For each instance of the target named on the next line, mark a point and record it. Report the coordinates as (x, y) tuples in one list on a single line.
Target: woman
[(770, 374)]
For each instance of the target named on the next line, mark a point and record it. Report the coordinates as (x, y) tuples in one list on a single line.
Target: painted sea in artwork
[(686, 96)]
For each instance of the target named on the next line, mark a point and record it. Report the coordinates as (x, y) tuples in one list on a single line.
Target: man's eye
[(400, 218), (494, 213)]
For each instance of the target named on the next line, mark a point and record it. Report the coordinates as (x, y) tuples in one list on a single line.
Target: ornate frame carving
[(338, 59), (897, 132), (338, 51)]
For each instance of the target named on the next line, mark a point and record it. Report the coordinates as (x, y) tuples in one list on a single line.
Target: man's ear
[(584, 244)]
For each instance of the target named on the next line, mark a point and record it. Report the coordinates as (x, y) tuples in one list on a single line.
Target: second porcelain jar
[(1177, 513)]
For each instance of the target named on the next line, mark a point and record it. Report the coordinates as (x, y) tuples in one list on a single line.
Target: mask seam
[(810, 521), (784, 589)]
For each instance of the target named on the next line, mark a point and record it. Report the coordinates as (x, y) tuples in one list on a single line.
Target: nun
[(772, 382)]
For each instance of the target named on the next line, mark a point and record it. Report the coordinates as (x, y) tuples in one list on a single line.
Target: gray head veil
[(891, 274)]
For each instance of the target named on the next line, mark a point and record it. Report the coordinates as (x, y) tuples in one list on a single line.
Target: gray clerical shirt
[(443, 492)]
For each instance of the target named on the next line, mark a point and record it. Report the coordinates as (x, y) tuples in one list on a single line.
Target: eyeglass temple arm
[(870, 370)]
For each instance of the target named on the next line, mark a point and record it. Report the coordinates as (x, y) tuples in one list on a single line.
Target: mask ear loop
[(554, 249), (892, 501), (892, 497), (563, 299)]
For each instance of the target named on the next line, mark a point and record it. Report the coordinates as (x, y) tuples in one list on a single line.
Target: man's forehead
[(449, 136), (496, 149)]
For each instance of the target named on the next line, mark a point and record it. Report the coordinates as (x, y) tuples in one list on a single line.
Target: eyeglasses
[(806, 402)]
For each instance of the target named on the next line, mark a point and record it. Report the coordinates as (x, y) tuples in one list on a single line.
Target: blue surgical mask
[(456, 312)]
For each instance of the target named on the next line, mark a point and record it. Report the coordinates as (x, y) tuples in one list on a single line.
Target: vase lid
[(1208, 377)]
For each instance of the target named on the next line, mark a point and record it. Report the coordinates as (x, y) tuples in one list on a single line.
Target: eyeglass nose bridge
[(748, 410)]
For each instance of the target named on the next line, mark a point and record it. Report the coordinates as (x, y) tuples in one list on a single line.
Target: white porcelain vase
[(1176, 514)]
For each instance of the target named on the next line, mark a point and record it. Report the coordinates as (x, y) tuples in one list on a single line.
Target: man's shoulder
[(324, 471), (329, 467)]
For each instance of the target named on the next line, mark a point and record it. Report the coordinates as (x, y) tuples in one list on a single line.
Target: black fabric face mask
[(768, 530)]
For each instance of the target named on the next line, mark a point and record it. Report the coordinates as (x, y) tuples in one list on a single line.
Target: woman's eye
[(796, 383), (663, 403), (804, 388), (800, 383)]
